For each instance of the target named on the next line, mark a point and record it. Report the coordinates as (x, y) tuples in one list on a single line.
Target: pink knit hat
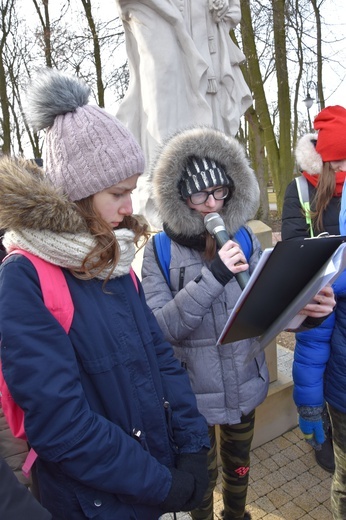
[(87, 149)]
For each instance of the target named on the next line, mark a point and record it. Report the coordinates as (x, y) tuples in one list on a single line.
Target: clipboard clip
[(324, 234)]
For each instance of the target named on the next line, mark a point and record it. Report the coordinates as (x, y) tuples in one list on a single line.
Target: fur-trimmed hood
[(167, 170), (308, 159), (28, 200)]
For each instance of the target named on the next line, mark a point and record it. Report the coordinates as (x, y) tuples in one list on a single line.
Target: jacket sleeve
[(311, 355), (42, 373), (188, 427), (293, 221), (183, 313)]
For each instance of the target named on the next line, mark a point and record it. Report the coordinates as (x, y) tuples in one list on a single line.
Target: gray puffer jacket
[(226, 384)]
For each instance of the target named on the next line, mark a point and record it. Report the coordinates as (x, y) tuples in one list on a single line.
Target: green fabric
[(303, 194), (235, 446), (338, 495)]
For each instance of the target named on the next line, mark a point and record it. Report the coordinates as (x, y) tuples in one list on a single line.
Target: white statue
[(184, 71)]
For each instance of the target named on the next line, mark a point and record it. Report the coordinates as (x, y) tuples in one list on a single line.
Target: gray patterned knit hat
[(87, 149), (200, 174)]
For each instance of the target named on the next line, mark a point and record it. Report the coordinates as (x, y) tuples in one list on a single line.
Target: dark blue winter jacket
[(335, 374), (96, 400)]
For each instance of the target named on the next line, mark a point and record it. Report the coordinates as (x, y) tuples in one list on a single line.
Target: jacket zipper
[(140, 437), (168, 414)]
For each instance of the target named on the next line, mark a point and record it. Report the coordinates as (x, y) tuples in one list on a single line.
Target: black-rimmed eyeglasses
[(202, 196)]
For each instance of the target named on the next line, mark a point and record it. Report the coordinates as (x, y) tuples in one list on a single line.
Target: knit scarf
[(339, 181), (69, 250)]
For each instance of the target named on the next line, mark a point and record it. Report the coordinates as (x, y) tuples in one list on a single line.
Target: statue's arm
[(226, 11), (165, 9)]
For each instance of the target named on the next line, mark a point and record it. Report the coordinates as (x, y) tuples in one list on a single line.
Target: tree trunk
[(257, 87), (282, 176), (97, 53), (320, 94), (6, 13)]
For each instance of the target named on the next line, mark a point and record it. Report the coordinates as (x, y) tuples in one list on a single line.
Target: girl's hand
[(323, 304), (233, 257)]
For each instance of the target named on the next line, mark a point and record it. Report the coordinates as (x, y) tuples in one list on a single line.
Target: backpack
[(57, 299), (162, 251), (304, 199)]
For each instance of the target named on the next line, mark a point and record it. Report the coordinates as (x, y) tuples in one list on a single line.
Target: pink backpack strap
[(57, 299), (29, 462), (134, 279), (55, 291)]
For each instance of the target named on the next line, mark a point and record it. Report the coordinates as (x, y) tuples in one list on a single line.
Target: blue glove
[(311, 424)]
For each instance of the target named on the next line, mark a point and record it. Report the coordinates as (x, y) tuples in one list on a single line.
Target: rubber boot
[(325, 456)]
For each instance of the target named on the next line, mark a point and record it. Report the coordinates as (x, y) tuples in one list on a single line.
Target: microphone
[(216, 227)]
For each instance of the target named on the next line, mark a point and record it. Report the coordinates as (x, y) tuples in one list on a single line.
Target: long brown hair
[(324, 193), (106, 253), (210, 247)]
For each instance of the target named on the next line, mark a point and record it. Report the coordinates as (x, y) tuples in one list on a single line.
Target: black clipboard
[(290, 267)]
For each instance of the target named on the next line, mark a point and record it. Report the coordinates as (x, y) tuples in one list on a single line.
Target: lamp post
[(309, 101)]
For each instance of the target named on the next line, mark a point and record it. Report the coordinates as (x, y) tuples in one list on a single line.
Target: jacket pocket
[(99, 505), (101, 364)]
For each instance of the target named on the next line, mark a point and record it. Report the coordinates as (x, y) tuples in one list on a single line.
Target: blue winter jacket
[(319, 367), (107, 406)]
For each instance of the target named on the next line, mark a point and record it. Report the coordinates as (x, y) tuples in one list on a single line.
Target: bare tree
[(43, 15), (96, 51), (284, 42), (7, 13), (283, 175), (259, 120), (284, 53), (316, 6)]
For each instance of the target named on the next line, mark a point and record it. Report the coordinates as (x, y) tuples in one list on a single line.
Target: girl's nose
[(210, 202), (126, 208)]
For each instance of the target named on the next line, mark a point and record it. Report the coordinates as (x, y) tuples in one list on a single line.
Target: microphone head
[(213, 221)]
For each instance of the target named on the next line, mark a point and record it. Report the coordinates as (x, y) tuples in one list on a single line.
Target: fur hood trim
[(166, 174), (308, 159), (29, 200)]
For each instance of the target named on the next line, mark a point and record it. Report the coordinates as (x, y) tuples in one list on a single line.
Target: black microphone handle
[(221, 237), (242, 278)]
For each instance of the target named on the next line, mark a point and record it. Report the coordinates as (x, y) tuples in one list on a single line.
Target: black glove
[(197, 465), (182, 488), (221, 271)]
